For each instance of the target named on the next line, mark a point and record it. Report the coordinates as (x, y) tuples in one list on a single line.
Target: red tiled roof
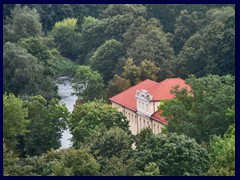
[(127, 97), (157, 116), (159, 91)]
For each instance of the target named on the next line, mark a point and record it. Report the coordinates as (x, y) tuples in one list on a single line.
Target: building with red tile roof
[(140, 103)]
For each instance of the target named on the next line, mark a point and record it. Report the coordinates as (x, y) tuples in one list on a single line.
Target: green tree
[(37, 47), (145, 70), (143, 136), (117, 85), (131, 72), (222, 151), (185, 26), (66, 37), (150, 169), (23, 23), (87, 83), (174, 155), (113, 150), (14, 120), (48, 120), (202, 112), (85, 118), (154, 46), (149, 70), (121, 9), (105, 58), (90, 30), (76, 162), (23, 74), (212, 49)]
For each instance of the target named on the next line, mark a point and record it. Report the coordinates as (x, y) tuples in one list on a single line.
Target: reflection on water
[(65, 91)]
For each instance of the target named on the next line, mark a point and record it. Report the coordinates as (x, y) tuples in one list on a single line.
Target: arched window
[(154, 128)]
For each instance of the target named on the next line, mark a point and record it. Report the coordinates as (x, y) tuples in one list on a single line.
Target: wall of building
[(137, 122)]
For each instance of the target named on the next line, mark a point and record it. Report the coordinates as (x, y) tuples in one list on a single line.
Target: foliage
[(87, 83), (24, 23), (67, 38), (48, 120), (105, 58), (85, 118), (202, 113), (145, 70), (222, 151), (154, 46), (14, 120), (174, 155), (150, 169), (185, 26), (75, 162), (117, 85), (142, 136), (121, 9), (211, 50), (36, 47), (23, 74)]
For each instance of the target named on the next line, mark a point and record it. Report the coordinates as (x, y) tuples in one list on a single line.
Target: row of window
[(142, 123)]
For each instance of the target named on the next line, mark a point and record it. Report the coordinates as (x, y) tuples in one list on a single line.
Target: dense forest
[(107, 49)]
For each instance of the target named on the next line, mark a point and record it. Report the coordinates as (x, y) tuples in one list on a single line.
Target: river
[(65, 91)]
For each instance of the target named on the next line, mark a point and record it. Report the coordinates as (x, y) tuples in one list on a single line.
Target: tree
[(222, 151), (67, 38), (154, 46), (145, 70), (24, 23), (131, 72), (113, 150), (112, 143), (185, 26), (14, 120), (90, 30), (202, 112), (85, 118), (117, 85), (211, 50), (79, 162), (142, 136), (121, 9), (150, 169), (36, 47), (149, 70), (48, 120), (105, 58), (23, 74), (87, 83), (174, 155)]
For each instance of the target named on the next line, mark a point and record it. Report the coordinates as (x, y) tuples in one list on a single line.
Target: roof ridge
[(132, 87), (160, 86)]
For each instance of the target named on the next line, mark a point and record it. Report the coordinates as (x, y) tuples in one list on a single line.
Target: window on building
[(135, 119), (147, 107), (154, 128), (142, 105), (158, 129), (139, 104), (132, 118), (140, 123)]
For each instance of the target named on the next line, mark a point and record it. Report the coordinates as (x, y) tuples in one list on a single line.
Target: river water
[(65, 91)]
